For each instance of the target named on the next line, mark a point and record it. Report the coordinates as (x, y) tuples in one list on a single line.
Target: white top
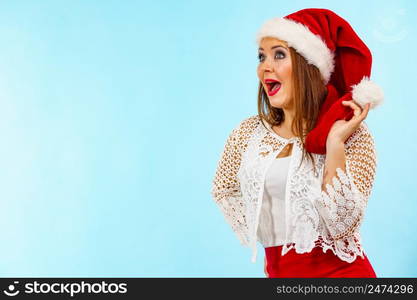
[(271, 230), (328, 217)]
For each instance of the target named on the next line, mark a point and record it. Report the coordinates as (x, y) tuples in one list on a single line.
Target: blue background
[(113, 116)]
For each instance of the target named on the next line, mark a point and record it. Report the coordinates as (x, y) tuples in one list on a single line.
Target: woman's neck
[(284, 129)]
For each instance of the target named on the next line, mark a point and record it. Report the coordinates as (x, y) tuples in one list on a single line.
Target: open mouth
[(273, 86)]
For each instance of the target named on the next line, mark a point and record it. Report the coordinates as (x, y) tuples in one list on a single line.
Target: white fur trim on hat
[(306, 43), (367, 91)]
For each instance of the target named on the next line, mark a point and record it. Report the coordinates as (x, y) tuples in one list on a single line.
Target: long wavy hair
[(308, 94)]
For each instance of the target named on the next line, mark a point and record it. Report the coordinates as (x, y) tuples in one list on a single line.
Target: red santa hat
[(328, 42)]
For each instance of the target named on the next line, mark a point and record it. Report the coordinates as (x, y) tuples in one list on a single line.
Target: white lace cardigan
[(329, 219)]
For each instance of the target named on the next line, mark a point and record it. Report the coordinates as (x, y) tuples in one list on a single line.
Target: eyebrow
[(273, 47)]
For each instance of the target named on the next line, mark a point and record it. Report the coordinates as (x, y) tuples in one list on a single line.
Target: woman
[(298, 175)]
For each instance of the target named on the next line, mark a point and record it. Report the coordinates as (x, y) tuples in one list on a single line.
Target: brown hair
[(308, 93)]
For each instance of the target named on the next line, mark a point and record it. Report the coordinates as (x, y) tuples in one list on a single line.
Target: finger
[(365, 111), (357, 109), (362, 116), (359, 113), (351, 103)]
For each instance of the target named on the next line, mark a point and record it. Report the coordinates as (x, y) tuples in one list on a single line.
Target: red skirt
[(314, 264)]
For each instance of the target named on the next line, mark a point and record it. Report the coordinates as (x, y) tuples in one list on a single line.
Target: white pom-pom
[(367, 91)]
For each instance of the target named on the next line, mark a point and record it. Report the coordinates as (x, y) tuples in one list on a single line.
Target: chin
[(277, 103)]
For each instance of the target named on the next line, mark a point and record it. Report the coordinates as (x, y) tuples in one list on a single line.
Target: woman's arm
[(348, 177), (335, 158), (226, 190), (265, 268)]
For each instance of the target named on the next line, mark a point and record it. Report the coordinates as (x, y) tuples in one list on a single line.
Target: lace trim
[(329, 219), (342, 205), (347, 249), (257, 158), (226, 190)]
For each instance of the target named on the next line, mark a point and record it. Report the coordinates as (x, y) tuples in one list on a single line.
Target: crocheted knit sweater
[(328, 218)]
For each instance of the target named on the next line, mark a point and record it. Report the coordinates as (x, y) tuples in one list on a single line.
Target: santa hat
[(328, 42)]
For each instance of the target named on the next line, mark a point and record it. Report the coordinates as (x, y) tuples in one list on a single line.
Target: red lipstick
[(273, 86)]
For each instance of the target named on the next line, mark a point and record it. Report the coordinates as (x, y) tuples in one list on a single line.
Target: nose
[(267, 66)]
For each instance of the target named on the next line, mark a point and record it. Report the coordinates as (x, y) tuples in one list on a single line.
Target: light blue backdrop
[(113, 115)]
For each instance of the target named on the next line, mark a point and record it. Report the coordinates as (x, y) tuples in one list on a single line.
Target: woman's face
[(275, 71)]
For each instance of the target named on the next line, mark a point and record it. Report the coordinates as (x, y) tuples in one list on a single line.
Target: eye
[(261, 57), (279, 55)]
